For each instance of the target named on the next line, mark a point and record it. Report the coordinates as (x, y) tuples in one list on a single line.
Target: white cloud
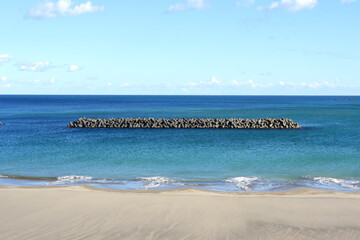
[(235, 83), (35, 67), (244, 3), (5, 58), (313, 85), (292, 84), (324, 84), (73, 68), (37, 81), (266, 73), (177, 7), (291, 5), (44, 82), (213, 81), (189, 4), (253, 84), (250, 83), (192, 84), (85, 8), (7, 85), (4, 82), (62, 7)]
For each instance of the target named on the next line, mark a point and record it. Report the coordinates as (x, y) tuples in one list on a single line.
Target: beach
[(83, 212), (182, 119)]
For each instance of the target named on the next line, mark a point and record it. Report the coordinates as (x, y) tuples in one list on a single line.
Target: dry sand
[(80, 212)]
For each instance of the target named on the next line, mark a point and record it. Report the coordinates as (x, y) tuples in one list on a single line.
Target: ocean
[(37, 148)]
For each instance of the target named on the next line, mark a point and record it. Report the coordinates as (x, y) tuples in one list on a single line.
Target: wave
[(242, 182), (329, 181), (73, 179), (151, 182)]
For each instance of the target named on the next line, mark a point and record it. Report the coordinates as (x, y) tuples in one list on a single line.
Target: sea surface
[(37, 148)]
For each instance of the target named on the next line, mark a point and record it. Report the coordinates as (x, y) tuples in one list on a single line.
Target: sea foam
[(242, 182), (151, 182), (345, 183), (71, 180)]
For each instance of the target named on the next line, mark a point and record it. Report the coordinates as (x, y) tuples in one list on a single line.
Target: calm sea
[(36, 147)]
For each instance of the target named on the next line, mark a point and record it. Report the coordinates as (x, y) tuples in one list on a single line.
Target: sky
[(205, 47)]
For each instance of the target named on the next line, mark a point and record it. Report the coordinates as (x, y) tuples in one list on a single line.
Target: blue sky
[(302, 47)]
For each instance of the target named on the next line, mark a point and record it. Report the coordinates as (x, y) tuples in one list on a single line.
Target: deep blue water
[(325, 153)]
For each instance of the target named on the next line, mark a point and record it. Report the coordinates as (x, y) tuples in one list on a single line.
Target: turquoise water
[(325, 153)]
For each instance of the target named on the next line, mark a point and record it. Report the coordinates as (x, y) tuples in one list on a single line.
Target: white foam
[(151, 182), (71, 179), (346, 183), (242, 182), (1, 176), (74, 178)]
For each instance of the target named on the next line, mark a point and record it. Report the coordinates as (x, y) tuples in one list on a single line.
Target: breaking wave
[(151, 182), (242, 182), (73, 179), (331, 182)]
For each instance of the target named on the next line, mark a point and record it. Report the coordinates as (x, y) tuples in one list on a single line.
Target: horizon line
[(285, 95)]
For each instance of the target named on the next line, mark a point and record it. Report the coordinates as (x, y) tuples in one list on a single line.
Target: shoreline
[(84, 212), (294, 192), (232, 184)]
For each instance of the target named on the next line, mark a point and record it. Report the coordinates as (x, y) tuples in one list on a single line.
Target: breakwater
[(232, 123)]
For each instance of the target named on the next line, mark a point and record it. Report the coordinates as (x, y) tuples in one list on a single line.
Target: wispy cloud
[(73, 68), (323, 53), (316, 84), (245, 3), (249, 83), (5, 58), (330, 54), (290, 5), (213, 81), (348, 1), (189, 4), (44, 83), (62, 8), (266, 73), (4, 82), (35, 67)]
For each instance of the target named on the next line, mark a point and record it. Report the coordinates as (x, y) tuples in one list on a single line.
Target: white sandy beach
[(80, 212)]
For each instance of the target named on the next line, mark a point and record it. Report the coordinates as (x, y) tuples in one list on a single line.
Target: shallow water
[(324, 154)]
